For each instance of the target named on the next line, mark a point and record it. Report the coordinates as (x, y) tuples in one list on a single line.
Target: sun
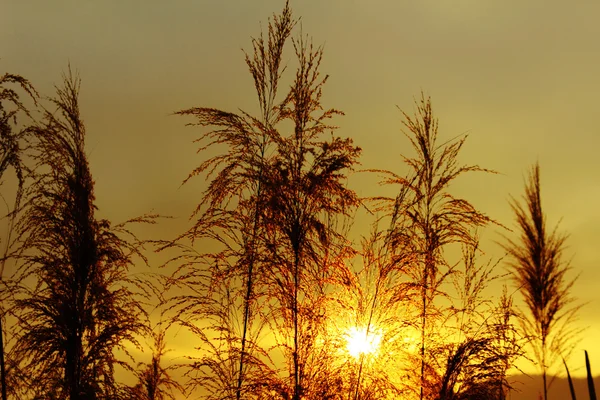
[(358, 342)]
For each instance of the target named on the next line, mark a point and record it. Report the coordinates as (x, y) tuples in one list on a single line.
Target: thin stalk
[(544, 368), (425, 288), (295, 316), (360, 368), (2, 369), (423, 321), (428, 155), (298, 239), (249, 282), (4, 257)]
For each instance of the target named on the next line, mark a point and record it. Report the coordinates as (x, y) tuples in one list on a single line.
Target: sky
[(520, 77)]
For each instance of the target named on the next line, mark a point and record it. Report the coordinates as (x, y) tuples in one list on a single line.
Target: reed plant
[(13, 139), (540, 272), (426, 217), (76, 303)]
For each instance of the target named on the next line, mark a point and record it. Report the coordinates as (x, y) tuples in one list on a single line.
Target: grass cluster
[(281, 303)]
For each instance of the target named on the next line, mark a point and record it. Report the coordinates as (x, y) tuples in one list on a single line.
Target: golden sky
[(521, 76)]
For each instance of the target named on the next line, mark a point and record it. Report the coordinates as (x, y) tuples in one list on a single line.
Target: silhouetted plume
[(154, 380), (425, 217), (305, 186), (83, 305), (269, 204), (266, 278), (539, 272), (232, 206), (242, 174), (12, 138)]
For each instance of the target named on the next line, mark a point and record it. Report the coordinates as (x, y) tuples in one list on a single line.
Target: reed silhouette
[(272, 194), (305, 187), (281, 303), (154, 380), (12, 140), (239, 173), (539, 270), (76, 304), (483, 343), (425, 217)]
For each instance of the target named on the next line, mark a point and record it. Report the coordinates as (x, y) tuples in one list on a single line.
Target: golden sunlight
[(361, 343)]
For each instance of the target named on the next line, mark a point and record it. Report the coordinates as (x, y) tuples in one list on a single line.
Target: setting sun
[(361, 343)]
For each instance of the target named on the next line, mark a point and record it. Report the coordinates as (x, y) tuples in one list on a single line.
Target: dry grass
[(76, 303), (540, 272), (265, 278)]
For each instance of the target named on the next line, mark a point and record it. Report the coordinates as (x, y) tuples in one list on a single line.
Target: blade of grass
[(571, 388), (590, 378)]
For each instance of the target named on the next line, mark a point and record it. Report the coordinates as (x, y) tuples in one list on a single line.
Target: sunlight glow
[(411, 344), (359, 343)]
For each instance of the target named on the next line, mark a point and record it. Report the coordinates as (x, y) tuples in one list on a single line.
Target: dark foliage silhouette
[(230, 213), (12, 140), (305, 187), (590, 379), (279, 300), (483, 343), (425, 217), (76, 304), (539, 270), (269, 205), (154, 380)]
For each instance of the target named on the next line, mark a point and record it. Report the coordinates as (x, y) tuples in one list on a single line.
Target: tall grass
[(12, 140), (306, 185), (76, 303), (266, 278), (540, 272), (154, 380), (425, 216), (590, 379), (232, 207), (269, 207)]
